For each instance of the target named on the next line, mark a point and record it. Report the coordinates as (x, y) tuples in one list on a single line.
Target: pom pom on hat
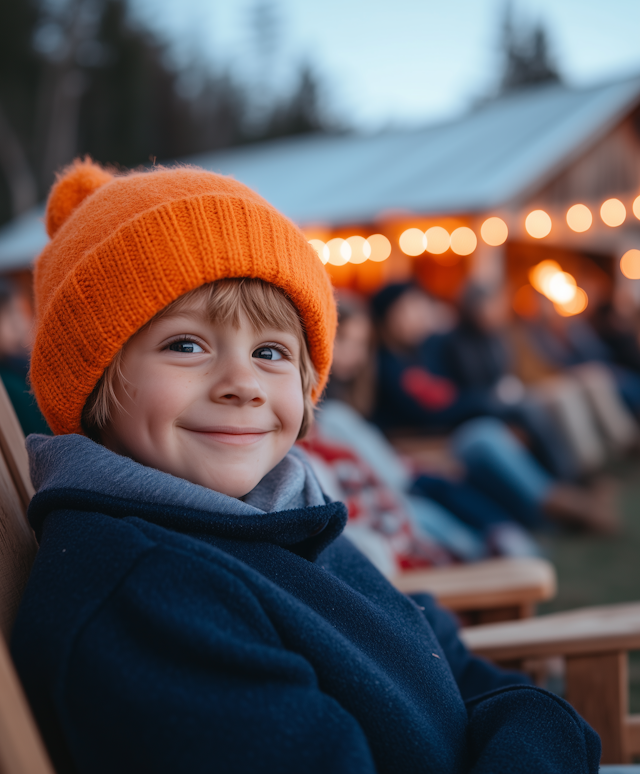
[(72, 187)]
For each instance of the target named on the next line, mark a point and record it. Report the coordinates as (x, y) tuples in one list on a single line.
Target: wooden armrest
[(591, 630), (491, 584)]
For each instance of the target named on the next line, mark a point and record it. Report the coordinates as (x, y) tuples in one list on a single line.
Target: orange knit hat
[(125, 246)]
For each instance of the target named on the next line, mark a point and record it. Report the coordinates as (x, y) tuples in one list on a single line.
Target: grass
[(598, 571)]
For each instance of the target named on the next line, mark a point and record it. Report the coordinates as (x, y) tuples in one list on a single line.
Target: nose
[(236, 383)]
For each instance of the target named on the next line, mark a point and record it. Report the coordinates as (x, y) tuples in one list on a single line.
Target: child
[(193, 607)]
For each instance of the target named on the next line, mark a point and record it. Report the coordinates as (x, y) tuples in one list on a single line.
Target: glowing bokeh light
[(541, 274), (380, 247), (538, 224), (562, 288), (613, 212), (636, 207), (579, 218), (360, 249), (320, 248), (494, 231), (413, 241), (577, 304), (630, 264), (339, 251), (463, 241), (438, 240)]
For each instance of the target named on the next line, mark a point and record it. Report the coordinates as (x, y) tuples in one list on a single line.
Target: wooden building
[(541, 150)]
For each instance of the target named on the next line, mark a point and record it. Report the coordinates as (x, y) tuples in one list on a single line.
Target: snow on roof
[(485, 159)]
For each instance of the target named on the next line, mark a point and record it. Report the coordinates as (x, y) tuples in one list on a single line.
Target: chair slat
[(13, 449)]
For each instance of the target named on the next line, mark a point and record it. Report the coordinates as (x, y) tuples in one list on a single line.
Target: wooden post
[(596, 687)]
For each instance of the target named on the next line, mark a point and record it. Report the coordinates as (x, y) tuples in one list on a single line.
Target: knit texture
[(123, 247)]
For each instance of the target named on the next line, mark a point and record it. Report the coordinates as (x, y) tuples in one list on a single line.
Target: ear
[(71, 188)]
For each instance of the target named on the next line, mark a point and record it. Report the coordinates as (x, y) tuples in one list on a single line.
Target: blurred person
[(15, 344), (499, 481), (616, 323), (419, 389), (573, 370)]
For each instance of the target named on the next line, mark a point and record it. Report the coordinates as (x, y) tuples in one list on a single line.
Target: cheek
[(152, 399), (288, 405)]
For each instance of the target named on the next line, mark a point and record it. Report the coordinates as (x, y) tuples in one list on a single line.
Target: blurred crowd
[(452, 432), (455, 433)]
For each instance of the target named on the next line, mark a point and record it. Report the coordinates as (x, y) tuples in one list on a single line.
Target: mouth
[(231, 435)]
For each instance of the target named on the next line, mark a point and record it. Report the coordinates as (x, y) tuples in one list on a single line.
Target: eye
[(187, 346), (267, 353)]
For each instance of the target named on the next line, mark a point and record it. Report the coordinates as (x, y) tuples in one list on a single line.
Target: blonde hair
[(263, 304)]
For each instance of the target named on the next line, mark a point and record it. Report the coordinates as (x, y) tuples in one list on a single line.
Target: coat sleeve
[(529, 729), (181, 670), (513, 726)]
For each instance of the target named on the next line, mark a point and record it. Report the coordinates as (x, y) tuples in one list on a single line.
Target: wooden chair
[(594, 643), (21, 748), (600, 638)]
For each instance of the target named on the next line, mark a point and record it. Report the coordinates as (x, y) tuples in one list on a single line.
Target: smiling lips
[(234, 436)]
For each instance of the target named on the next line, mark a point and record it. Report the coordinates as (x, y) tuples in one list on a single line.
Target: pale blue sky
[(400, 61)]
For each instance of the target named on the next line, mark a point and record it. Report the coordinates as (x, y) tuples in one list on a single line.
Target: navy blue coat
[(163, 639)]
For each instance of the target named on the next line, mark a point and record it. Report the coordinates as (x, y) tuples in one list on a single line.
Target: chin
[(229, 486)]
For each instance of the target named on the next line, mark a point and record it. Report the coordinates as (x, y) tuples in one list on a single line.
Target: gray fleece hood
[(77, 463)]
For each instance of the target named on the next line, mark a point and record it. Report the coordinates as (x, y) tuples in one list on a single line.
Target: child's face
[(215, 405)]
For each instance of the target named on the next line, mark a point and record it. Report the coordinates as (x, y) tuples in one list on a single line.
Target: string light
[(613, 212), (630, 264), (538, 224), (320, 248), (438, 240), (380, 247), (494, 231), (463, 241), (360, 249), (339, 251), (579, 218), (636, 207), (413, 241)]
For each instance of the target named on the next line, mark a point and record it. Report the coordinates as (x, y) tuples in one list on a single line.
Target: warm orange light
[(561, 288), (577, 304), (636, 207), (538, 224), (320, 248), (380, 247), (438, 240), (494, 231), (630, 264), (463, 241), (541, 274), (360, 249), (579, 218), (413, 241), (339, 251), (613, 212)]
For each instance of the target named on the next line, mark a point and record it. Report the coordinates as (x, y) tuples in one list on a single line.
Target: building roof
[(490, 157), (483, 160)]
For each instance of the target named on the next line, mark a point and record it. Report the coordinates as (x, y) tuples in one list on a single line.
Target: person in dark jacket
[(193, 606), (435, 381)]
